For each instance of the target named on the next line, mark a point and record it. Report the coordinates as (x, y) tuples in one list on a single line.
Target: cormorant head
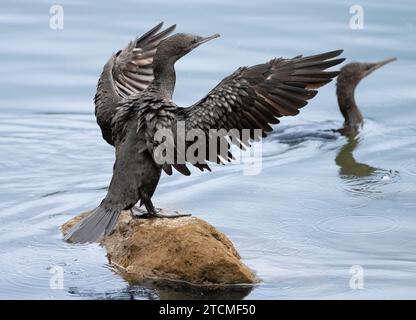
[(353, 72), (173, 48)]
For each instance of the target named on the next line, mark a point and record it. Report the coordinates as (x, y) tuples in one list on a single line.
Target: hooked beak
[(206, 39), (379, 64)]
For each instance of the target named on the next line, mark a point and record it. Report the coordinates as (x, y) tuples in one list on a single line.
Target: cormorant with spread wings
[(134, 101)]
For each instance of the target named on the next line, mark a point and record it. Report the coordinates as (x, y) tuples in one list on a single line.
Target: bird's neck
[(349, 109), (165, 79)]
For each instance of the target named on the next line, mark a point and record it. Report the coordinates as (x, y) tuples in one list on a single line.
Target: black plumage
[(126, 73), (131, 108)]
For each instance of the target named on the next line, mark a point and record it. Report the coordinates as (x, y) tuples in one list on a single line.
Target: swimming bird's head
[(351, 74), (175, 47), (354, 72)]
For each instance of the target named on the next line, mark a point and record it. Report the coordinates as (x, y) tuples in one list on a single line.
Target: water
[(318, 207)]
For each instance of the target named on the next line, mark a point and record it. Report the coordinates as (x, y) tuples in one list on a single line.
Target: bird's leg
[(139, 213), (152, 212)]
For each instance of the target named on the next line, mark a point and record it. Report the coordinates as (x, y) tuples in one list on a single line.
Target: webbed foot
[(139, 213)]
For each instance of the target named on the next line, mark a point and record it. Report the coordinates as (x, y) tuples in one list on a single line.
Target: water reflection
[(174, 291), (349, 167), (168, 291), (361, 178)]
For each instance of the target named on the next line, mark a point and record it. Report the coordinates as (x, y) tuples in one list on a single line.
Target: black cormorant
[(134, 101), (351, 74)]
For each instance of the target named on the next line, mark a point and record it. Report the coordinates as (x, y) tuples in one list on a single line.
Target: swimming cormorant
[(134, 101), (351, 74)]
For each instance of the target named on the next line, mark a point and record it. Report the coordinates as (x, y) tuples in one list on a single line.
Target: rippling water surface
[(318, 207)]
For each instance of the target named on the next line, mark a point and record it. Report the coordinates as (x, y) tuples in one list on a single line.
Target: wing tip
[(336, 52), (182, 168)]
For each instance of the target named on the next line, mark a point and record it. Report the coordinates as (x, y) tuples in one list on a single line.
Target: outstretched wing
[(127, 72), (255, 97)]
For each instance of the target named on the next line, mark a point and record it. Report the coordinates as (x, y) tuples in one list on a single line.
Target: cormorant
[(134, 101), (351, 74)]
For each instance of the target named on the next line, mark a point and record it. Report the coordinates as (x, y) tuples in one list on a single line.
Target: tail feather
[(100, 220)]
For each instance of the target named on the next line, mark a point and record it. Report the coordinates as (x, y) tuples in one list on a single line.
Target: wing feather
[(250, 98), (255, 97), (127, 72)]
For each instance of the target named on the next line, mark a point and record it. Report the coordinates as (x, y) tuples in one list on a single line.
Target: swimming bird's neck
[(165, 79), (349, 109)]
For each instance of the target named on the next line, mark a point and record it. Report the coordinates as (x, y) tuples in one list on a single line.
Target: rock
[(185, 249)]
